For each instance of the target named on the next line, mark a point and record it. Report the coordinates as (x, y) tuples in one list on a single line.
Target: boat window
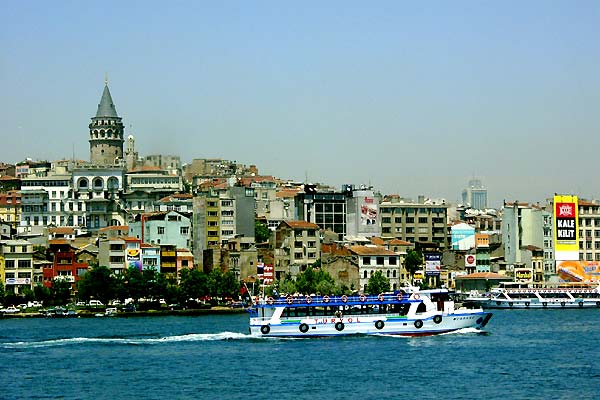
[(421, 308)]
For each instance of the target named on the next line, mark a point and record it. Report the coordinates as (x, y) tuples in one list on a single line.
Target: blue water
[(526, 354)]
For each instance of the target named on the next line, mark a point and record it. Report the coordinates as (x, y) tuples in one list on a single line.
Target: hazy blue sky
[(414, 98)]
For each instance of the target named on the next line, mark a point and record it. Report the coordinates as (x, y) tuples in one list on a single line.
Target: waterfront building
[(296, 245), (421, 221), (589, 230), (17, 264), (185, 260), (168, 260), (106, 133), (482, 253), (373, 258), (241, 257), (548, 248), (220, 215), (111, 254), (522, 226), (65, 265), (150, 256)]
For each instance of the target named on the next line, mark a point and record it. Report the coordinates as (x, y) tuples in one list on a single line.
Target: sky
[(409, 97)]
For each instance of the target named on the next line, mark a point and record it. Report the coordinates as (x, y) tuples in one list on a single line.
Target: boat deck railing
[(312, 301)]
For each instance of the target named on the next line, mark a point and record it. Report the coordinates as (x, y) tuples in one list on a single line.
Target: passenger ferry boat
[(548, 296), (421, 313)]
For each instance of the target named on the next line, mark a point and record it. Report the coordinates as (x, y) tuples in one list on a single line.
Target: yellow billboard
[(566, 228)]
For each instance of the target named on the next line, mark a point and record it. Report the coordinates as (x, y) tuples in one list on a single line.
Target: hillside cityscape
[(122, 211)]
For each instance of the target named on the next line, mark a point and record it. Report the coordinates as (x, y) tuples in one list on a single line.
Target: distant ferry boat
[(549, 296), (421, 313)]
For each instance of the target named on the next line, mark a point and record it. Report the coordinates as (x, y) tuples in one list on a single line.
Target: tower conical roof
[(106, 108)]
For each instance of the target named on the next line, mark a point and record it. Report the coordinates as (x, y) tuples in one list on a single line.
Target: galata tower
[(106, 133)]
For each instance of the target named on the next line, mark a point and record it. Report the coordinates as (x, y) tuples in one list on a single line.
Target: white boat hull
[(537, 304), (369, 325)]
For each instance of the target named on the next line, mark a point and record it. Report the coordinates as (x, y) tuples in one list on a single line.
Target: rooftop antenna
[(106, 78)]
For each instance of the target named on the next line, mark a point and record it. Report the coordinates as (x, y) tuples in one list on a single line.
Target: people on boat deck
[(338, 314)]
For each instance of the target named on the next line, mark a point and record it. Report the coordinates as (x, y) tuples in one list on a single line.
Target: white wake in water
[(192, 337)]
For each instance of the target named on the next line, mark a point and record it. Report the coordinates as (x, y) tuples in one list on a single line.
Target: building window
[(160, 230), (380, 260), (184, 230), (366, 260), (392, 261), (298, 255)]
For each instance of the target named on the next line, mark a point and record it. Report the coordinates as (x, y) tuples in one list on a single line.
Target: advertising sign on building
[(523, 275), (433, 263), (470, 260), (566, 228), (368, 211), (268, 274), (462, 236), (18, 281), (133, 258), (578, 271)]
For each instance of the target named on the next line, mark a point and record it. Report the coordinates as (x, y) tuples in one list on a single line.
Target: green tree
[(135, 284), (287, 286), (60, 291), (306, 281), (41, 293), (230, 285), (378, 283), (193, 284), (262, 233), (2, 293), (98, 283), (27, 294), (413, 261)]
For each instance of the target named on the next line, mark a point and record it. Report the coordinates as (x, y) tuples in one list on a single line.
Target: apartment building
[(17, 264), (414, 222), (589, 230), (373, 258), (297, 245)]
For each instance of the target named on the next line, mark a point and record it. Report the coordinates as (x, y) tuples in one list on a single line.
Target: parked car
[(95, 303), (10, 310), (236, 304)]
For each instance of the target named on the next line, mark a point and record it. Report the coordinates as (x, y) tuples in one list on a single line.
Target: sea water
[(523, 354)]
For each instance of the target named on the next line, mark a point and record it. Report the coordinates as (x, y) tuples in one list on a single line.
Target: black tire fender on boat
[(303, 328), (544, 304), (418, 324), (265, 329), (562, 303), (339, 326), (598, 304), (581, 304), (379, 324), (437, 319)]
